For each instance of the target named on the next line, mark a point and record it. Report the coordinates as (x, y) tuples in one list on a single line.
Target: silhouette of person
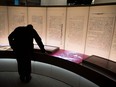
[(21, 41)]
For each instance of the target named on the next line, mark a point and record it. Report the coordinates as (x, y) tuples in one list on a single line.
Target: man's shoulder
[(19, 28)]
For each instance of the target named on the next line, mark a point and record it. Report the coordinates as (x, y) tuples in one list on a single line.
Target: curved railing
[(78, 69)]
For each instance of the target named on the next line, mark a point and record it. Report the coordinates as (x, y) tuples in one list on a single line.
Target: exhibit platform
[(93, 68), (101, 65)]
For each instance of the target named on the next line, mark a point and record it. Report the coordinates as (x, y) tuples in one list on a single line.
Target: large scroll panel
[(100, 30), (3, 25), (113, 48), (56, 17), (17, 17), (37, 17), (77, 18)]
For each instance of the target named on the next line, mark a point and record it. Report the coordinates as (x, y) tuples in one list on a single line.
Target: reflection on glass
[(3, 2), (79, 2), (20, 2), (16, 2)]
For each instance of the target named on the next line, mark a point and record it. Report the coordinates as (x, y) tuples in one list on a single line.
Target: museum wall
[(83, 29)]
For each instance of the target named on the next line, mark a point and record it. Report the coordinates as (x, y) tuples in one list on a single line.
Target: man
[(21, 41)]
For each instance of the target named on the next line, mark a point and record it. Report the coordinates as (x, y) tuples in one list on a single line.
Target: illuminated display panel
[(3, 25), (98, 22), (113, 48), (100, 30), (77, 18), (37, 17), (56, 18), (17, 17)]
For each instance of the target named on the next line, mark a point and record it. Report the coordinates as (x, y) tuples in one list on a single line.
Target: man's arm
[(39, 41)]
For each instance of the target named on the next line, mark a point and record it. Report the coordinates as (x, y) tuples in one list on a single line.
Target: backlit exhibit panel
[(37, 17), (113, 48), (83, 29), (56, 18), (17, 16), (100, 30), (3, 25), (76, 28)]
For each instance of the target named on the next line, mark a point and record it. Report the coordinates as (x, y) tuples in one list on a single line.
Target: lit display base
[(48, 48), (74, 62)]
